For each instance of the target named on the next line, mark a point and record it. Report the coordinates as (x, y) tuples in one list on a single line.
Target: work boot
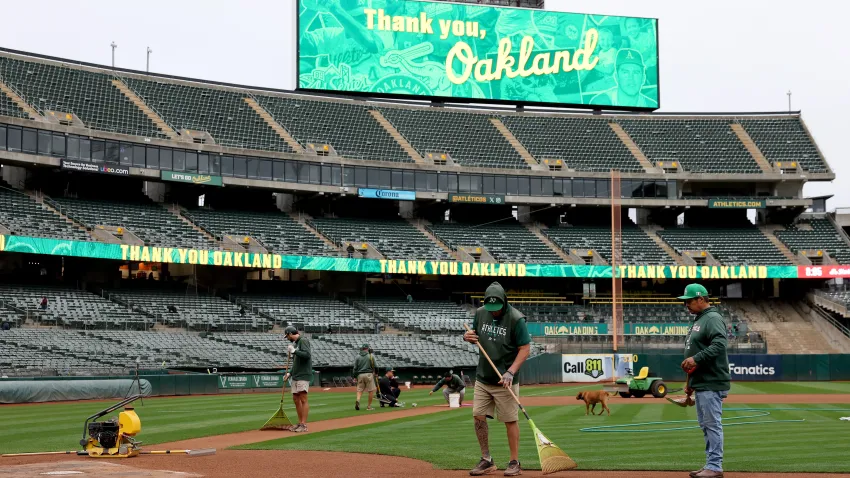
[(357, 405), (709, 474), (302, 427), (484, 467), (695, 473), (513, 469)]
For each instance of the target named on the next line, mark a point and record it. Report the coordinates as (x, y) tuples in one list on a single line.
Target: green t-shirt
[(706, 343), (501, 338), (302, 360)]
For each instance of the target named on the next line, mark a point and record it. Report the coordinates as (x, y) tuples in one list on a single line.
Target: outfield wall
[(560, 368)]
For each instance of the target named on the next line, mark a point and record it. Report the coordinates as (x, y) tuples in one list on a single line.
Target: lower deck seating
[(428, 316), (314, 314)]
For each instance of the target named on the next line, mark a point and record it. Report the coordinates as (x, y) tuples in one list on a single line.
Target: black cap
[(289, 330), (448, 373)]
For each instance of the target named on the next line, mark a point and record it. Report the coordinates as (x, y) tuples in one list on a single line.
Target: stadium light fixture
[(789, 100), (148, 62), (114, 46)]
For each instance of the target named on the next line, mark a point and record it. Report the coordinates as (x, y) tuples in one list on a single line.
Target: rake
[(552, 458), (687, 400), (279, 421)]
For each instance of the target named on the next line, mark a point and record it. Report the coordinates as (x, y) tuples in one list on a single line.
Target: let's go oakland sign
[(477, 53)]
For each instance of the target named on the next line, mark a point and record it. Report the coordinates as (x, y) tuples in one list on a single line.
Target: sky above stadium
[(719, 56)]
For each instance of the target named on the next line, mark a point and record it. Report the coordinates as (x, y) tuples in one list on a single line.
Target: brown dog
[(592, 397)]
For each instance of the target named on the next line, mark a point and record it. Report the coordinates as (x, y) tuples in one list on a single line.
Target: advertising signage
[(478, 53), (386, 194), (477, 198), (95, 168)]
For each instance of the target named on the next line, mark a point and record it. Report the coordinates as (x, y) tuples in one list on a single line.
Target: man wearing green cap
[(502, 332), (708, 366), (364, 367), (630, 75)]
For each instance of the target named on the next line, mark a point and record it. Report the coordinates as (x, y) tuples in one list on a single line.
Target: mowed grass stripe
[(447, 440)]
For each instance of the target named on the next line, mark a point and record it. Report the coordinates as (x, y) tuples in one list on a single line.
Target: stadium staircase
[(392, 131), (750, 145), (303, 218), (769, 232), (55, 208), (178, 211), (784, 329), (633, 148), (150, 113), (274, 125), (651, 230), (422, 226), (520, 149), (537, 230), (18, 101)]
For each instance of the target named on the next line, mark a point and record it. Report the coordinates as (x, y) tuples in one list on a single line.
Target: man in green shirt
[(453, 383), (364, 370), (301, 373), (708, 366), (501, 331)]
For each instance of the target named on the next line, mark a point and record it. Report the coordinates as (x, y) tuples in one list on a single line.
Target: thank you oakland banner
[(223, 258), (477, 53)]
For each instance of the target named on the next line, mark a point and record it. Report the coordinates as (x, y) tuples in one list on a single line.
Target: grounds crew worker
[(502, 332), (365, 378), (453, 383), (708, 365), (301, 373), (389, 395)]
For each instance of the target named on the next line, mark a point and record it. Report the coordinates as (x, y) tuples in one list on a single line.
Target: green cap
[(629, 55), (693, 291), (364, 346), (493, 304)]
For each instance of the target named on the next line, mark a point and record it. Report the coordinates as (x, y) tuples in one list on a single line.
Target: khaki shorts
[(300, 386), (495, 398), (365, 383)]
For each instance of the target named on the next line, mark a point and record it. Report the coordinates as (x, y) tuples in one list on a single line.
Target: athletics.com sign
[(755, 367)]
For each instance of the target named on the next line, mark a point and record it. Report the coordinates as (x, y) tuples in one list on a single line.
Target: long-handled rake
[(552, 458), (279, 421)]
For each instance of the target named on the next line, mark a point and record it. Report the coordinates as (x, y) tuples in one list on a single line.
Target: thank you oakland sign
[(387, 194), (477, 53)]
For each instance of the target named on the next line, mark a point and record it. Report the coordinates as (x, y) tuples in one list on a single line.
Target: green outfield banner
[(655, 329), (124, 252), (556, 329), (250, 381), (477, 53), (719, 203)]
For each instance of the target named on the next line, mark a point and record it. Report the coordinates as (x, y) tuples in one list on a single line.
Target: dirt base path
[(313, 464)]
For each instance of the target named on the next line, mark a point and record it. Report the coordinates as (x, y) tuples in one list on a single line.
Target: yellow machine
[(113, 438)]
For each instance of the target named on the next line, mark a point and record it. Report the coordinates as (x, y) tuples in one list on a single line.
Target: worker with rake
[(500, 331), (301, 374), (707, 366)]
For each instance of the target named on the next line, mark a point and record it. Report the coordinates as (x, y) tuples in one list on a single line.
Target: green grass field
[(818, 444)]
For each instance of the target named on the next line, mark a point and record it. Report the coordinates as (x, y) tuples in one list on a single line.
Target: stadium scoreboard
[(477, 53)]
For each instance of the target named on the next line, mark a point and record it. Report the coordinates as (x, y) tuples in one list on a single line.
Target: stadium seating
[(90, 96), (309, 313), (72, 308), (823, 235), (35, 357), (9, 108), (426, 316), (222, 113), (784, 139), (506, 241), (151, 222), (345, 125), (22, 215), (638, 248), (730, 246), (699, 145), (394, 238), (470, 138), (195, 312), (396, 350), (585, 144), (277, 231)]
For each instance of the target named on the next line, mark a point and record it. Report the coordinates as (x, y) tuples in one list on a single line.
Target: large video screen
[(475, 53)]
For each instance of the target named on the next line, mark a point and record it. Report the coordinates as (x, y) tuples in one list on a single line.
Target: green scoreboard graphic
[(474, 53)]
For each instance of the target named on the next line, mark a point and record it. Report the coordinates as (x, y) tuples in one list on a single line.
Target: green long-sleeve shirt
[(454, 383), (302, 360), (707, 343), (362, 364)]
